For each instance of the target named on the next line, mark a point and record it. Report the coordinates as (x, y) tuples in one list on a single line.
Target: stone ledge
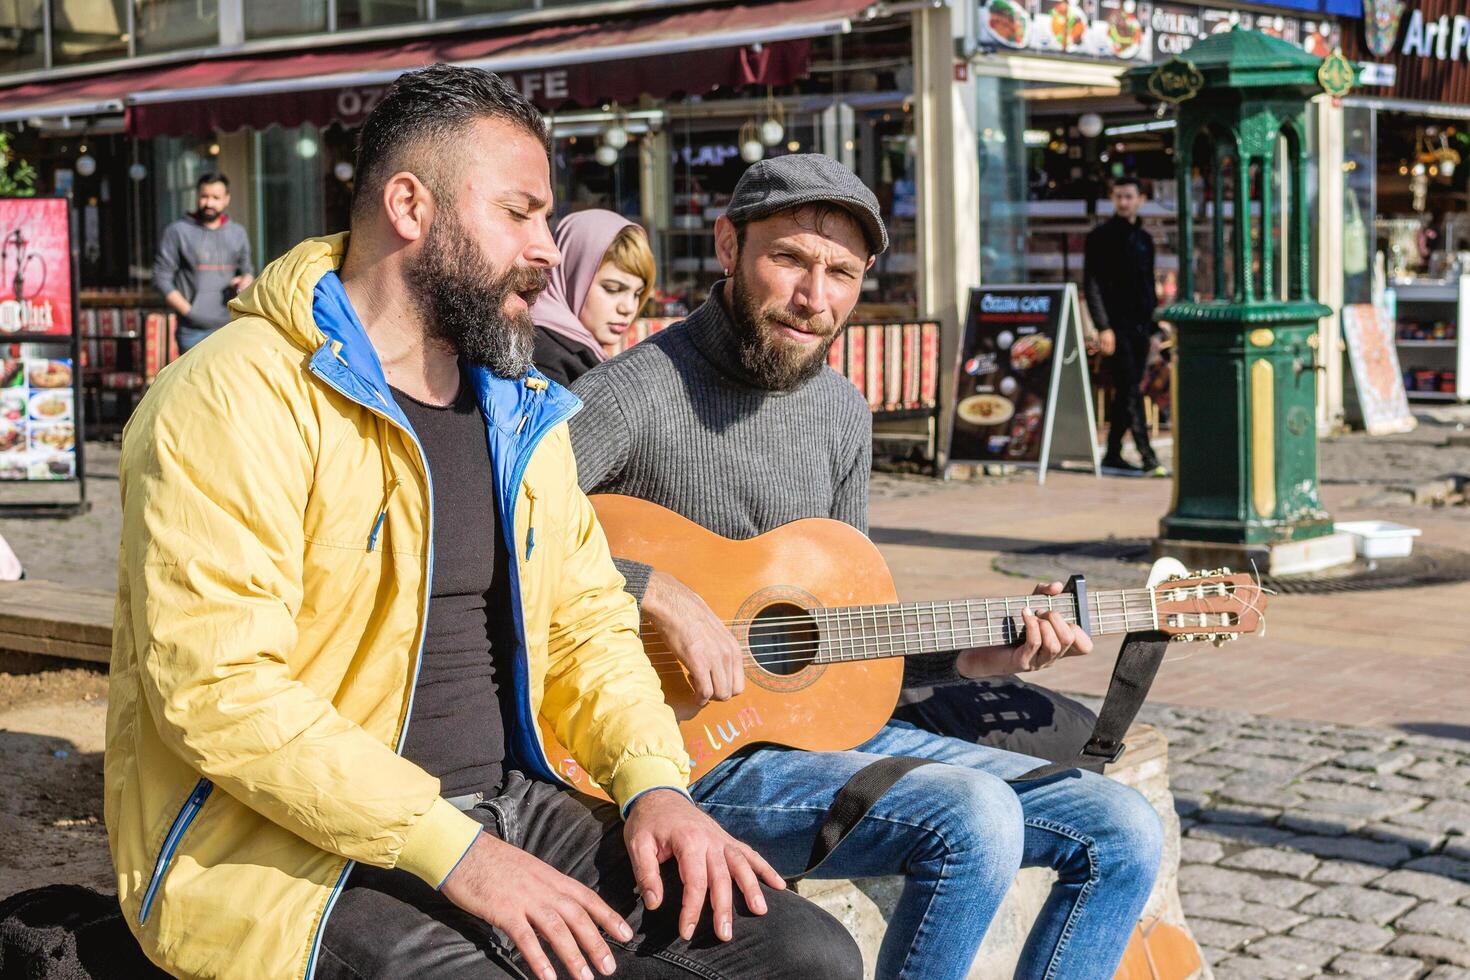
[(863, 905)]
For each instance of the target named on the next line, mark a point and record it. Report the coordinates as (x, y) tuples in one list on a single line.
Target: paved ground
[(1321, 850)]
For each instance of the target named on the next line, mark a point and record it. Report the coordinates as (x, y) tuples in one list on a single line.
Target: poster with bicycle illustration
[(35, 269)]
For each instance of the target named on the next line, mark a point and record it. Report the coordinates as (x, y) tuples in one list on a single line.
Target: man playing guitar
[(735, 421)]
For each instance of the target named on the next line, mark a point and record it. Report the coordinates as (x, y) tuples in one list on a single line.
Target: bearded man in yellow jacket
[(355, 567)]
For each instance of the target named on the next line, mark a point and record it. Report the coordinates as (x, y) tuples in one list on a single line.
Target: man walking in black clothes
[(1118, 278)]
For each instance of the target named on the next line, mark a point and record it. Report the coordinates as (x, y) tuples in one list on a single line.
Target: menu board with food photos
[(1134, 30), (38, 419), (1023, 394)]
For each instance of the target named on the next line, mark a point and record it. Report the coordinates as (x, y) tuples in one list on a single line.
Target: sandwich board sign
[(1023, 395), (1378, 380)]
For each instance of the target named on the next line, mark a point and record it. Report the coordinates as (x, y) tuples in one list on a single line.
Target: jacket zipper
[(423, 628), (525, 723), (521, 463), (181, 823), (530, 519), (383, 514)]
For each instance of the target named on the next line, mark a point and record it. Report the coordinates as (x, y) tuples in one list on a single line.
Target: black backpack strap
[(1133, 675), (852, 803)]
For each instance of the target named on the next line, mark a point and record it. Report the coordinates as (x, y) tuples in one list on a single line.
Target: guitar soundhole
[(783, 639)]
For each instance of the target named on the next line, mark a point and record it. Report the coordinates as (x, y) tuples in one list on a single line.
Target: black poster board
[(1022, 392), (41, 404)]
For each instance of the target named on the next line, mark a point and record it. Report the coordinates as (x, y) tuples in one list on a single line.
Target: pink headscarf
[(583, 238)]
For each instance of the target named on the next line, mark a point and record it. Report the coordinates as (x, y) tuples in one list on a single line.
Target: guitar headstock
[(1215, 605)]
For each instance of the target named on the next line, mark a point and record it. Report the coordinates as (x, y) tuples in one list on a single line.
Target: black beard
[(462, 299), (772, 364), (207, 214)]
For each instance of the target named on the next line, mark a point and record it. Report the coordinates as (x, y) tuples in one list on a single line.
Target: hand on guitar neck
[(1048, 638), (716, 663)]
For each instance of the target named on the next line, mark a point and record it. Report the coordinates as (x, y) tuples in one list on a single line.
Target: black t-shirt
[(457, 728), (562, 359)]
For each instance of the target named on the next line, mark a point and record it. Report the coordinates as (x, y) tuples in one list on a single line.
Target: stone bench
[(864, 905)]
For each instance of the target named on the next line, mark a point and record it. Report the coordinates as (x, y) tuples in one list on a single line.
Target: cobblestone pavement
[(1321, 850)]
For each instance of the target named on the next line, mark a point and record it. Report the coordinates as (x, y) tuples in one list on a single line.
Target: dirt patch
[(52, 721)]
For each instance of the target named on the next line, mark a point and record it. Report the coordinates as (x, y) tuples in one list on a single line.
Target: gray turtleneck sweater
[(675, 420)]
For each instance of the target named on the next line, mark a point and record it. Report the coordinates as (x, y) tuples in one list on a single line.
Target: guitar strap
[(1133, 675)]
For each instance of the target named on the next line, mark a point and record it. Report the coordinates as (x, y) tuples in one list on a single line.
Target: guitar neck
[(914, 628)]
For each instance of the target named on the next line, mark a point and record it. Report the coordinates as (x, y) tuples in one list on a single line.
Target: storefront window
[(467, 8), (1423, 224), (280, 18), (1359, 146), (1003, 181), (581, 181), (22, 43), (376, 13), (289, 188), (1048, 157), (88, 30), (178, 163), (869, 134), (168, 25)]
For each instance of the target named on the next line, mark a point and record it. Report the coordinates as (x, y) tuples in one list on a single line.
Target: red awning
[(688, 51)]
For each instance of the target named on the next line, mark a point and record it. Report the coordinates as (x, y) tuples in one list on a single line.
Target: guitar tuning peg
[(1220, 639)]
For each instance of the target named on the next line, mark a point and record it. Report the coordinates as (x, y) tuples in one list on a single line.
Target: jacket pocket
[(176, 830)]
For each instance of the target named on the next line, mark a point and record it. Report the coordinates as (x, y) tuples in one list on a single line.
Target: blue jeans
[(958, 833)]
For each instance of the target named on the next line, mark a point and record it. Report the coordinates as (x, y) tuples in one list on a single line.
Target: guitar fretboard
[(913, 628)]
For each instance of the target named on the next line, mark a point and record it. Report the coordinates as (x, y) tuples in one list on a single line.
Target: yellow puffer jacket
[(272, 590)]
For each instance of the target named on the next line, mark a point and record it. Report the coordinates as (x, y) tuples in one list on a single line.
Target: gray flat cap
[(791, 181)]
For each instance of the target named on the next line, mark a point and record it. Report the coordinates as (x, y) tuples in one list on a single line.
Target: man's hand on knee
[(663, 824), (529, 900)]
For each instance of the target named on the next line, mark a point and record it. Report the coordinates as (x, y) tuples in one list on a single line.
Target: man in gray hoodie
[(203, 260)]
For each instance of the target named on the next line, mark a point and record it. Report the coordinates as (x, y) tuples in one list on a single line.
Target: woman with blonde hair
[(593, 297)]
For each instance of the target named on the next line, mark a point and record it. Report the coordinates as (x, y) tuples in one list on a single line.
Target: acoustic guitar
[(814, 608)]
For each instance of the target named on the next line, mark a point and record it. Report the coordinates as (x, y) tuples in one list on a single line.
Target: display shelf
[(1435, 301)]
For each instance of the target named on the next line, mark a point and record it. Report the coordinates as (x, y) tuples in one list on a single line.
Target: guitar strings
[(836, 614), (880, 649), (832, 634), (947, 606)]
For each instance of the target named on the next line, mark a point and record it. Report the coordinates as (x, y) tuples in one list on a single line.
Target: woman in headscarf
[(593, 297)]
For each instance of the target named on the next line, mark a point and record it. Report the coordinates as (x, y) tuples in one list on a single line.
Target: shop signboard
[(35, 269), (1425, 42), (1023, 395), (1370, 333), (1135, 30)]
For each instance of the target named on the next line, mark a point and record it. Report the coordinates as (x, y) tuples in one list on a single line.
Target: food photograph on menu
[(38, 421)]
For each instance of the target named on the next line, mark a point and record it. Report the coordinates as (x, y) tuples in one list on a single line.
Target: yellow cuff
[(437, 842), (644, 773)]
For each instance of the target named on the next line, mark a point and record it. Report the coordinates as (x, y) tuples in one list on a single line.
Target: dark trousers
[(1123, 373), (389, 924)]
